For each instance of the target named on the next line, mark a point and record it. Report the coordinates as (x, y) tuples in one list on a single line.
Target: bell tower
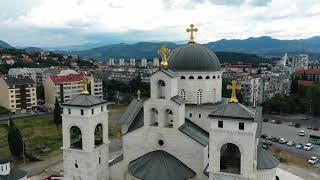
[(85, 138)]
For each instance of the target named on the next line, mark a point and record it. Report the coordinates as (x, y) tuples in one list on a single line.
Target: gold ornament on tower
[(234, 87), (84, 83), (192, 29), (164, 52), (138, 94)]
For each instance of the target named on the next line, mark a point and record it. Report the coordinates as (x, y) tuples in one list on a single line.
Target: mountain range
[(4, 45), (263, 46)]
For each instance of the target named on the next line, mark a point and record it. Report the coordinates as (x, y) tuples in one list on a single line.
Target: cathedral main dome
[(193, 57)]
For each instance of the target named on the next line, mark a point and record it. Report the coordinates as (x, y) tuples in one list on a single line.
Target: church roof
[(15, 174), (177, 99), (159, 165), (85, 101), (195, 132), (265, 160), (133, 118), (167, 72), (193, 57), (233, 110)]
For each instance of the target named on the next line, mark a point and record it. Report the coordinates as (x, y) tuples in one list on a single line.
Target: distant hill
[(33, 49), (4, 45), (261, 46)]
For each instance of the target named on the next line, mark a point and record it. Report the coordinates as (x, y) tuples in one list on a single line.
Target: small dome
[(3, 160), (193, 57)]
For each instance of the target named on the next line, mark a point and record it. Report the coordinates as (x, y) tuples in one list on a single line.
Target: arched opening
[(162, 89), (191, 77), (207, 77), (183, 94), (199, 77), (153, 117), (98, 135), (168, 118), (213, 77), (183, 77), (75, 138), (230, 159), (199, 96)]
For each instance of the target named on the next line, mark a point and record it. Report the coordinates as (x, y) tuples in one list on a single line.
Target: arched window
[(199, 96), (230, 159), (183, 77), (98, 135), (161, 88), (183, 94), (199, 77), (168, 120), (75, 138), (207, 77), (214, 93), (153, 117), (213, 77), (191, 77), (218, 77)]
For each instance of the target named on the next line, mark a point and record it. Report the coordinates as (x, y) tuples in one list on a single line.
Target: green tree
[(15, 140), (57, 118)]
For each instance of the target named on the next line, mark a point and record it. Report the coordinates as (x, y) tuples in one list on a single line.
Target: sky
[(50, 23)]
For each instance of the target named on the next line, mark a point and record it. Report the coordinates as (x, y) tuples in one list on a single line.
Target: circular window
[(160, 142)]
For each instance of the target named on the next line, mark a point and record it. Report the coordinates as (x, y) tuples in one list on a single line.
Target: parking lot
[(291, 133)]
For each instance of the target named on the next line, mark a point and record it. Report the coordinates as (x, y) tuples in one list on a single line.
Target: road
[(6, 117)]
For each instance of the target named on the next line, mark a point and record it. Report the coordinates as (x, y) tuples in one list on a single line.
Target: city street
[(291, 133)]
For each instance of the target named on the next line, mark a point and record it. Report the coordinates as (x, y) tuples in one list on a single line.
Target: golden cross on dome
[(192, 29), (84, 83), (138, 94), (234, 87), (164, 52)]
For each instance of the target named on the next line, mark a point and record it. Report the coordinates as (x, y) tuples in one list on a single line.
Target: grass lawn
[(3, 111), (39, 130)]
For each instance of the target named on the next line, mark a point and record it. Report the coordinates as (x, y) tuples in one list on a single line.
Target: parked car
[(309, 127), (315, 129), (313, 160), (290, 124), (267, 142), (308, 147), (299, 146), (274, 139), (268, 137), (263, 136), (265, 120), (305, 118), (264, 146), (278, 122), (297, 125), (301, 133), (283, 140), (290, 143), (273, 121)]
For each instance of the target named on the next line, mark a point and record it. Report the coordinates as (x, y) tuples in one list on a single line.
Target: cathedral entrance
[(230, 159)]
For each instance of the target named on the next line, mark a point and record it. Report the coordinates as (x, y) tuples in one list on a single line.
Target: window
[(214, 77), (199, 77), (191, 77), (241, 125), (183, 77), (92, 111), (207, 77), (218, 77), (199, 96), (99, 160), (183, 94), (190, 114), (220, 124), (82, 112), (69, 110), (101, 108), (11, 91), (199, 115)]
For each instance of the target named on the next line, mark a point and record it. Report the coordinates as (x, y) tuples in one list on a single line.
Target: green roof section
[(193, 57), (15, 174), (265, 160), (83, 100), (159, 165), (3, 160), (233, 110), (133, 117), (195, 132)]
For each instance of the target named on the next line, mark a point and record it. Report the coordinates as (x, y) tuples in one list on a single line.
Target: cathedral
[(185, 130)]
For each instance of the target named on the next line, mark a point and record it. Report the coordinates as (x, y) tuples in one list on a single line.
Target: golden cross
[(84, 83), (164, 52), (234, 87), (139, 94), (192, 30)]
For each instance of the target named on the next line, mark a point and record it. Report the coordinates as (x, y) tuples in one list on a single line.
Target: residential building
[(239, 68), (96, 87), (18, 94), (36, 74), (309, 75)]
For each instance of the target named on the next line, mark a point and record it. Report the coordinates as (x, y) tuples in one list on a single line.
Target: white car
[(283, 140), (301, 133), (313, 160), (308, 147)]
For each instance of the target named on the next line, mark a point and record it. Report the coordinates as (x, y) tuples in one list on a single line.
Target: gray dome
[(193, 57)]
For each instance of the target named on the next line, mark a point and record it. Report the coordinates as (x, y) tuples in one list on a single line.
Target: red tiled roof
[(239, 65), (308, 71), (67, 78)]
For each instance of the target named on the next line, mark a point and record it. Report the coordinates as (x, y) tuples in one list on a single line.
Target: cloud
[(228, 2), (260, 2), (314, 10)]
